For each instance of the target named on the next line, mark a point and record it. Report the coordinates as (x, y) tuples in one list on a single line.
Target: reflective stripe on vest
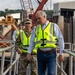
[(45, 38), (25, 41)]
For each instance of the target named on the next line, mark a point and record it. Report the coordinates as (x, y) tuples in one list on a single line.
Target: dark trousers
[(46, 61)]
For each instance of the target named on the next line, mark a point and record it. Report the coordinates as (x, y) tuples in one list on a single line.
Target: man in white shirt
[(46, 37), (16, 32)]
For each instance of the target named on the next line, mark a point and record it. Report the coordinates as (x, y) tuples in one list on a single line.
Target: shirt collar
[(45, 24)]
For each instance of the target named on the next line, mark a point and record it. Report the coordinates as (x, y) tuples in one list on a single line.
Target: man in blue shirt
[(46, 48)]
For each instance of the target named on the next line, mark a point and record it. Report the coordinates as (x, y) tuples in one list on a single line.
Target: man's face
[(20, 27), (40, 19), (28, 26)]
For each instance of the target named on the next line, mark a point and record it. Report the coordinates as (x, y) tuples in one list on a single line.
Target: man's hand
[(29, 56), (19, 51), (61, 58)]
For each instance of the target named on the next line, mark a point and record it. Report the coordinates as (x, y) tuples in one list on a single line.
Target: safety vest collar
[(45, 38)]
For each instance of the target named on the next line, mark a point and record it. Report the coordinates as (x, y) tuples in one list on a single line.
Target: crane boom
[(40, 7)]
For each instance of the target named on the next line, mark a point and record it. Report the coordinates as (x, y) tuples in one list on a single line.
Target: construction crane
[(27, 4)]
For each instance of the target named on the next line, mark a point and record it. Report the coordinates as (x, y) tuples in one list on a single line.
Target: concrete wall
[(65, 28), (64, 24), (74, 29), (61, 23), (58, 6), (56, 9)]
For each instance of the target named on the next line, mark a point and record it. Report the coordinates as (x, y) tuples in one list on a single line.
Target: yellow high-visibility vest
[(45, 38), (25, 42), (17, 33)]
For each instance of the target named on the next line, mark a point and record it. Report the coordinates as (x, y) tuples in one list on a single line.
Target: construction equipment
[(41, 4), (9, 20), (26, 4)]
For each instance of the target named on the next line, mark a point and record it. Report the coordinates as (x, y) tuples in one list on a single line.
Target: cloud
[(15, 4), (10, 4)]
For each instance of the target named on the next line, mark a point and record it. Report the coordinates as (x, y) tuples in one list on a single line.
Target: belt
[(49, 51)]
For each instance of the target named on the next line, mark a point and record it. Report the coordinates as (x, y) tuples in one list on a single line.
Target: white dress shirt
[(13, 36), (58, 34)]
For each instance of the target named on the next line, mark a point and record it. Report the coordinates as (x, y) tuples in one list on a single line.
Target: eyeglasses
[(27, 23)]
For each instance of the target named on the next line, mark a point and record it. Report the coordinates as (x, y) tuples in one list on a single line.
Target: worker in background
[(16, 32), (23, 42), (46, 37)]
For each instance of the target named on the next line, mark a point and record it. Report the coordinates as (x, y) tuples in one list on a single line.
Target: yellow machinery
[(9, 20)]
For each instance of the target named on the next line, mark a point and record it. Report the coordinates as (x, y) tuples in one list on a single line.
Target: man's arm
[(31, 46), (13, 36), (60, 41), (18, 41)]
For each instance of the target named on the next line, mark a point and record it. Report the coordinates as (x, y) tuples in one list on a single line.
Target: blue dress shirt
[(58, 34)]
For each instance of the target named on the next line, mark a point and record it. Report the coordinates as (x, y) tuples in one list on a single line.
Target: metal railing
[(13, 60), (71, 55), (10, 54)]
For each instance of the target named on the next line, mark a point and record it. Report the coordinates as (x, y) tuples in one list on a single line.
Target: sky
[(15, 4)]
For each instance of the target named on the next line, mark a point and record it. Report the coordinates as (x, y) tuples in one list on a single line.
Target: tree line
[(8, 11)]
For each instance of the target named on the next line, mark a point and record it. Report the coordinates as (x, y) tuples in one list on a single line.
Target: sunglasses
[(27, 23)]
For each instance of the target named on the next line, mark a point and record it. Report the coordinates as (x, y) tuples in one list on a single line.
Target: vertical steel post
[(2, 62)]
